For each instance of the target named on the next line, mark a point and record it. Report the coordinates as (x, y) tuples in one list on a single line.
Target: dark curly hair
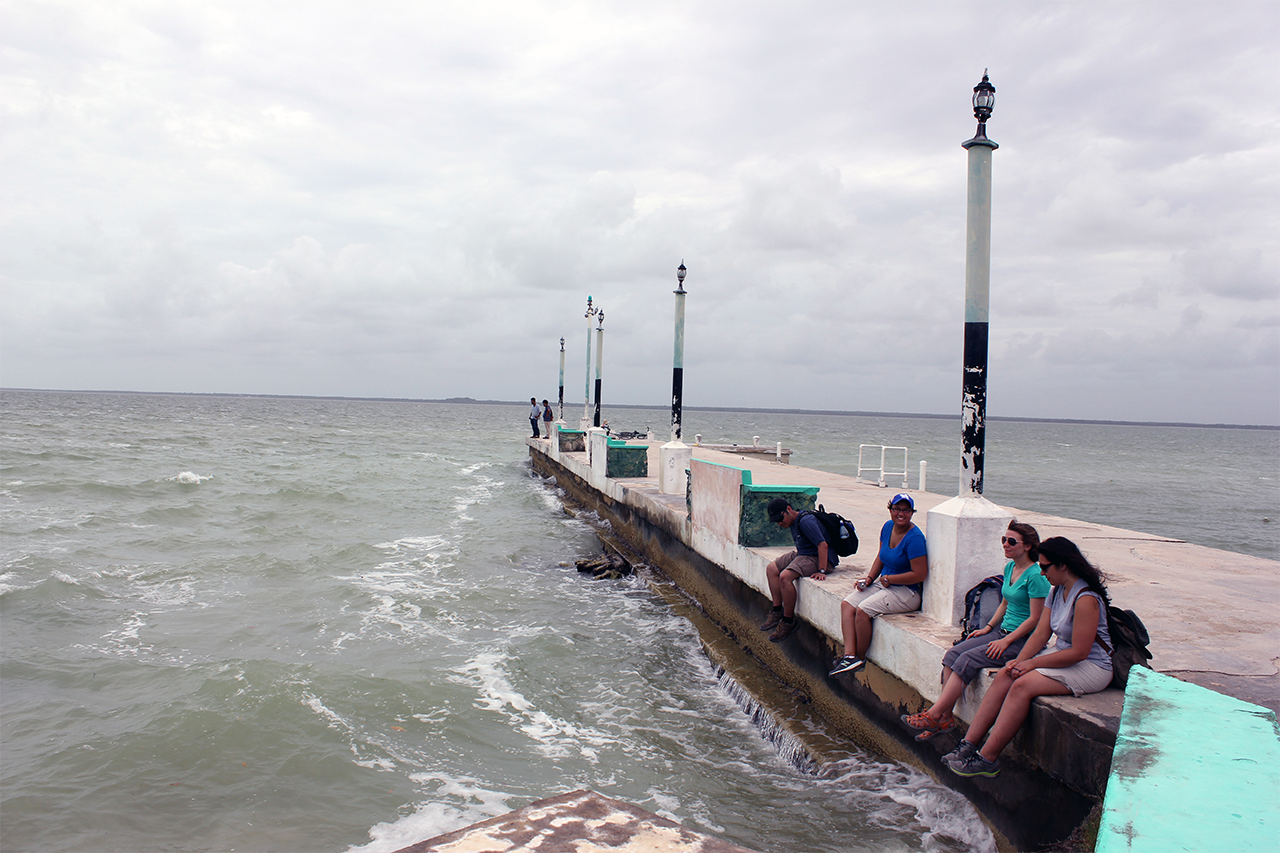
[(1060, 551)]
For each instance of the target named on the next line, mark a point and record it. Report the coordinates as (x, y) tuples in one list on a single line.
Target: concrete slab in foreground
[(577, 822), (1192, 770)]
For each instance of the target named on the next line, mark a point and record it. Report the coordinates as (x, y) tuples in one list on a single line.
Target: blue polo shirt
[(895, 561), (808, 534)]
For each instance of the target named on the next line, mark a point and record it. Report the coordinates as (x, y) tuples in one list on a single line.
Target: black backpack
[(979, 603), (841, 536), (1129, 639)]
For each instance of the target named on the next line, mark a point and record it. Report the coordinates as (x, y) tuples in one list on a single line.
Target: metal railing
[(880, 469)]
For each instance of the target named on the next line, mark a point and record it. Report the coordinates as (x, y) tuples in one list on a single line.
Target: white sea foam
[(413, 543), (8, 585), (457, 803), (895, 795), (553, 736), (189, 478), (124, 640), (335, 719)]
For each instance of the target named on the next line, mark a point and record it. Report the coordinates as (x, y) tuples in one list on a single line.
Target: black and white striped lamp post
[(962, 532), (562, 379), (599, 363), (977, 294), (674, 456), (586, 391), (677, 370)]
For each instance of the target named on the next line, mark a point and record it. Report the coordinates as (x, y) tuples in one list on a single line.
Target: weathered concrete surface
[(577, 822), (1213, 617), (1193, 770)]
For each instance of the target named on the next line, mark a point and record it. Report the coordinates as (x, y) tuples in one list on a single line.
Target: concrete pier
[(1212, 615), (577, 822)]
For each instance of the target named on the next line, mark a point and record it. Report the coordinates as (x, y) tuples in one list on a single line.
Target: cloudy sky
[(414, 199)]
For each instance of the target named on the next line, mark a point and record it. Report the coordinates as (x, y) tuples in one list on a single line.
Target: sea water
[(238, 623)]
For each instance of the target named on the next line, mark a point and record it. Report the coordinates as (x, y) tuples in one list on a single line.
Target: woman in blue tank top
[(1077, 663)]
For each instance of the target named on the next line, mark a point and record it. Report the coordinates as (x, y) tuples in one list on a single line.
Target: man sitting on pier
[(812, 558)]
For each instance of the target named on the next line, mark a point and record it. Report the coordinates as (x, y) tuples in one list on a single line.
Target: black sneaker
[(848, 663), (975, 765)]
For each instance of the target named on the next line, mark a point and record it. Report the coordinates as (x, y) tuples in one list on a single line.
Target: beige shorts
[(802, 564), (877, 600), (1080, 678)]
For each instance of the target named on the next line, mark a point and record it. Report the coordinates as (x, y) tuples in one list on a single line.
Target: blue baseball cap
[(901, 497)]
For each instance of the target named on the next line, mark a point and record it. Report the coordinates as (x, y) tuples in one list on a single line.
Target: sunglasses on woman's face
[(1009, 540)]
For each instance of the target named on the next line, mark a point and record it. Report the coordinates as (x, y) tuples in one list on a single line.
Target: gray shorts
[(967, 657), (877, 600), (802, 564), (1080, 678)]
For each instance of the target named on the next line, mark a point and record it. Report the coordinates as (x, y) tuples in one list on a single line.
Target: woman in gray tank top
[(1077, 663)]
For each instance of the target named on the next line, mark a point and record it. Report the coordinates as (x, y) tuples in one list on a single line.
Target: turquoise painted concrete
[(1193, 770)]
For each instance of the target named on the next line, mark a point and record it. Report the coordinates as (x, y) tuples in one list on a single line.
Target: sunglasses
[(1009, 540), (1044, 570)]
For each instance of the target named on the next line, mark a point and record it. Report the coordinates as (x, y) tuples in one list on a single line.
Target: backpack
[(1130, 639), (841, 535), (979, 603)]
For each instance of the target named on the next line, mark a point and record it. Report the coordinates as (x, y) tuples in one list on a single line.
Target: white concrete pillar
[(673, 459), (553, 450), (963, 535), (598, 456)]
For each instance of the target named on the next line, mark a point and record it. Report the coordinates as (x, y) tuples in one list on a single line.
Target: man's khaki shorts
[(802, 564)]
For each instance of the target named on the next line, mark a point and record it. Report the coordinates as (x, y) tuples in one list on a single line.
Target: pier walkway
[(1213, 616)]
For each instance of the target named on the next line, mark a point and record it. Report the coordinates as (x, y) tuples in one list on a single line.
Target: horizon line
[(766, 410)]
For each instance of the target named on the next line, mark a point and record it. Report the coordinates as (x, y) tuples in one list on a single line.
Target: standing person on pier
[(812, 558), (1000, 640), (534, 414), (1079, 662), (893, 585), (547, 417)]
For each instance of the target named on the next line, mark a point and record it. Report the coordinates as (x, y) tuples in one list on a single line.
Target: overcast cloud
[(415, 199)]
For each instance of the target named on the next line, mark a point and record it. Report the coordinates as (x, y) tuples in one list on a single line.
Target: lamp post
[(977, 294), (674, 456), (586, 391), (599, 364), (677, 369), (562, 379), (963, 531)]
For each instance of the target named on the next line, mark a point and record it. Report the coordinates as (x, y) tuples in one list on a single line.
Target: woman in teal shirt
[(1017, 616)]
